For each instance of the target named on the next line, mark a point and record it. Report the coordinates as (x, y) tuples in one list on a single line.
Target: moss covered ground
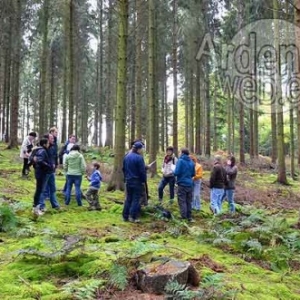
[(256, 251)]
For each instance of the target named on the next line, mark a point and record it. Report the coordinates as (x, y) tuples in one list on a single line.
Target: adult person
[(50, 186), (75, 167), (26, 149), (63, 154), (168, 167), (217, 181), (134, 170), (42, 167), (231, 173), (65, 149), (185, 171), (197, 180), (145, 191), (54, 132)]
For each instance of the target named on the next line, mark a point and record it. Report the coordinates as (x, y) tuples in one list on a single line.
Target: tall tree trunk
[(132, 80), (174, 65), (151, 93), (163, 105), (100, 86), (138, 69), (117, 181), (44, 67), (198, 110), (7, 81), (191, 108), (109, 98), (16, 61), (241, 104), (208, 121), (66, 70), (297, 37), (281, 175), (53, 87), (71, 68)]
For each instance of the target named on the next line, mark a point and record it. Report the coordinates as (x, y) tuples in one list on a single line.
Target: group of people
[(186, 172), (45, 159)]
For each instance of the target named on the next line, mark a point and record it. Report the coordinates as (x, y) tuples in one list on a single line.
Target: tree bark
[(151, 93), (281, 175), (44, 67), (117, 181), (16, 61), (174, 65)]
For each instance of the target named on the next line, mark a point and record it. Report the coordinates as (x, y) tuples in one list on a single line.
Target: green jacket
[(74, 163)]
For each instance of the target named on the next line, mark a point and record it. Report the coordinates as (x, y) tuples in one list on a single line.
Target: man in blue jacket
[(135, 177), (185, 171)]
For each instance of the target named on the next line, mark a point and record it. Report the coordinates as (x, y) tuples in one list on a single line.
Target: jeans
[(132, 202), (229, 194), (25, 169), (196, 204), (65, 185), (40, 185), (166, 180), (185, 197), (216, 196), (76, 180), (49, 191)]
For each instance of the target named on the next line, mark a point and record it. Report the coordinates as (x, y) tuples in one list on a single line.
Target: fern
[(118, 276), (139, 249), (212, 281), (210, 289), (8, 220), (177, 291), (88, 292), (292, 241), (254, 247), (80, 291)]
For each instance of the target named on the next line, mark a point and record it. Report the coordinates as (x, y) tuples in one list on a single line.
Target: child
[(92, 195), (197, 179)]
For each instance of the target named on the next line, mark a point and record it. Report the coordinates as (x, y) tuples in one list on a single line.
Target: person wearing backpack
[(42, 166), (26, 149), (168, 168), (75, 167), (50, 187)]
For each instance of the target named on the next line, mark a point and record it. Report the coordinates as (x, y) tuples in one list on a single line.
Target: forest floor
[(78, 254)]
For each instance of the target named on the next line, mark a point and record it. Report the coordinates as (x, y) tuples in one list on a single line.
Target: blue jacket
[(134, 168), (185, 171), (52, 153), (96, 179), (43, 164)]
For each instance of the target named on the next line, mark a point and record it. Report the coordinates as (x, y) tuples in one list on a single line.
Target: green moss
[(110, 240)]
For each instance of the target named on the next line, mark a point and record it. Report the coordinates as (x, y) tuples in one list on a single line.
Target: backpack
[(32, 156), (164, 213)]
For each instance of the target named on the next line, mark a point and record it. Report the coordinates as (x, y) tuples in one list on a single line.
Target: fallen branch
[(72, 243)]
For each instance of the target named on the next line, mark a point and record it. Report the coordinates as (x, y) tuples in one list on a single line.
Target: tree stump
[(154, 277)]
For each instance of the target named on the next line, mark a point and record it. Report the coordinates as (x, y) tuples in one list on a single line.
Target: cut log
[(154, 277)]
